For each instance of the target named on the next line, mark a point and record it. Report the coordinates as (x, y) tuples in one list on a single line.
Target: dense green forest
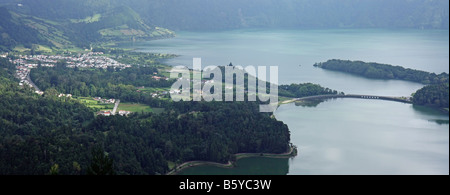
[(304, 90), (37, 132), (49, 135), (384, 71), (112, 83), (433, 95)]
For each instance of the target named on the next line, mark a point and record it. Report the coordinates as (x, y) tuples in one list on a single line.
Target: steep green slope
[(19, 30), (121, 23), (232, 14), (14, 32)]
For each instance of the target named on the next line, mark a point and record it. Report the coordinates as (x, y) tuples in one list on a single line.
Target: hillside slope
[(233, 14), (121, 23)]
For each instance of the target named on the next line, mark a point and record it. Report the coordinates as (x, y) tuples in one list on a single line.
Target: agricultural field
[(135, 107), (91, 103)]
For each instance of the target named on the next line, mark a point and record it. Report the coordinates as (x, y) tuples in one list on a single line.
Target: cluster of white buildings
[(87, 60), (158, 78), (105, 101), (109, 113), (65, 95), (24, 63)]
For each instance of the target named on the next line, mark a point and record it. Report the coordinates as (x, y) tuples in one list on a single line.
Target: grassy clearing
[(171, 165), (87, 20), (154, 90), (44, 49), (135, 107), (89, 102), (21, 48)]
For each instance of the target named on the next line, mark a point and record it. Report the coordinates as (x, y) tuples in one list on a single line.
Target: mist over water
[(344, 136)]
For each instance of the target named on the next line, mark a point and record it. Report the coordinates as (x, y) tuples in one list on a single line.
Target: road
[(32, 83), (371, 97), (115, 107)]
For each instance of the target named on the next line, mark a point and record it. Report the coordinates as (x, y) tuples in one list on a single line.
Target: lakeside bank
[(231, 164)]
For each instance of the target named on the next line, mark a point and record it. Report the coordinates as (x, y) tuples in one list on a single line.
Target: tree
[(101, 164), (51, 92), (61, 64), (76, 168), (54, 170)]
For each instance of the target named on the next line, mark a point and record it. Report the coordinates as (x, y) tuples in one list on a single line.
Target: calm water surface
[(344, 136)]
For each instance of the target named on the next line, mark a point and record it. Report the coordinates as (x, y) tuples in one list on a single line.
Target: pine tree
[(101, 164)]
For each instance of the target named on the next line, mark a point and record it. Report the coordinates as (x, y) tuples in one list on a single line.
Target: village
[(88, 60), (24, 64)]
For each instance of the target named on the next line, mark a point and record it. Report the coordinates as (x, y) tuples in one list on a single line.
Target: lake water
[(344, 136)]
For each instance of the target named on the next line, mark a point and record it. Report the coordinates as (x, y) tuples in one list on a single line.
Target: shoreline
[(292, 153)]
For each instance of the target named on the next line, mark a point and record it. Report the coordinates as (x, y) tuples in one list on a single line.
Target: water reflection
[(441, 122), (310, 103), (247, 166)]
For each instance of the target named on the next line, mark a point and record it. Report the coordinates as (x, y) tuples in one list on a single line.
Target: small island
[(383, 71), (435, 94)]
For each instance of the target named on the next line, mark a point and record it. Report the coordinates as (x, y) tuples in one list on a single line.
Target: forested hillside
[(13, 32), (231, 14), (39, 134)]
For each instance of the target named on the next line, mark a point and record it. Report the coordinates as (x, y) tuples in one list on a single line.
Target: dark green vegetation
[(304, 90), (37, 132), (51, 135), (111, 83), (433, 95), (101, 163), (12, 32), (384, 71)]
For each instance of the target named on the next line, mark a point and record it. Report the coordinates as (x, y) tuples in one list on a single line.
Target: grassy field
[(89, 102), (154, 90), (135, 107), (132, 107), (89, 19), (138, 108), (21, 48)]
